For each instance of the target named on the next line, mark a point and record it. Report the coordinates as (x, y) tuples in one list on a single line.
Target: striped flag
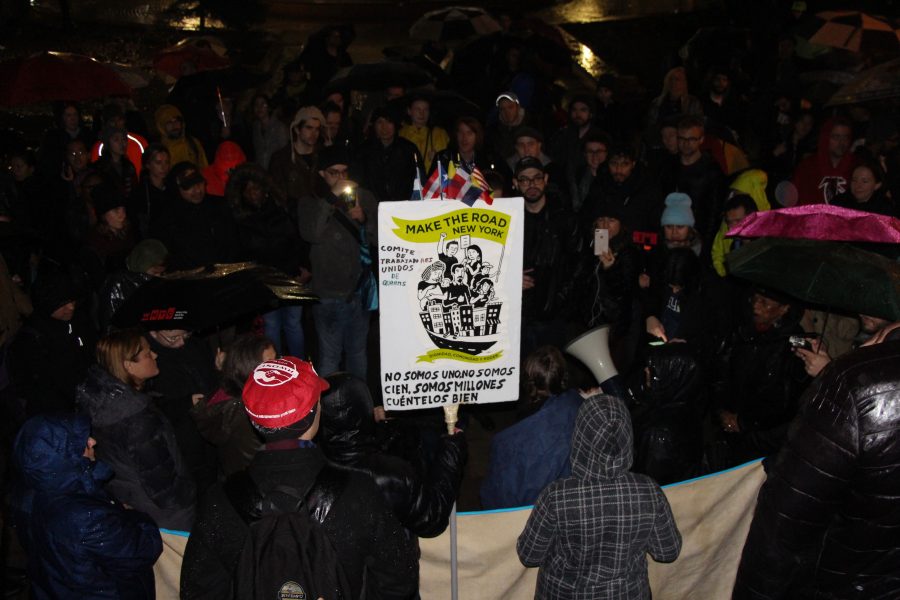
[(459, 182), (436, 184), (481, 183), (468, 187)]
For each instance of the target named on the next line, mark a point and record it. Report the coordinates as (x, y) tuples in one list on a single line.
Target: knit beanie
[(148, 253), (678, 210)]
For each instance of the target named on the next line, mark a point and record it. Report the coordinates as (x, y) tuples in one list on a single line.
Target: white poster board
[(450, 296)]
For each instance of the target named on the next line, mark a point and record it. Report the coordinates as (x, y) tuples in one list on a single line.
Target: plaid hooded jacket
[(590, 533)]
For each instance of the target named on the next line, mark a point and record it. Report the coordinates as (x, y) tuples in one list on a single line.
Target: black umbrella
[(878, 83), (196, 300), (378, 76), (200, 88), (831, 274), (453, 24)]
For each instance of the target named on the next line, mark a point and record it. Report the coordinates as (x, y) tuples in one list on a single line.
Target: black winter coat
[(551, 242), (269, 236), (762, 385), (826, 524), (638, 200), (666, 416), (138, 443), (183, 372), (421, 496), (372, 546), (387, 171), (704, 182), (197, 235), (66, 347)]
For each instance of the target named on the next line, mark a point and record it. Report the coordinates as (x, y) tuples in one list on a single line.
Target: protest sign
[(450, 283)]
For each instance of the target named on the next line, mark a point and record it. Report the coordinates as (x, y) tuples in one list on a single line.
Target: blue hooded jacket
[(80, 543)]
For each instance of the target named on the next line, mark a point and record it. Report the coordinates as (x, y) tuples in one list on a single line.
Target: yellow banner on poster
[(433, 355), (475, 222)]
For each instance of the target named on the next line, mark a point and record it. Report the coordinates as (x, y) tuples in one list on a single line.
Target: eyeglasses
[(537, 179), (181, 337), (77, 153), (337, 172)]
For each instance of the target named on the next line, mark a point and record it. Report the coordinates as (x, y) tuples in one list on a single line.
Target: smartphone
[(601, 241), (798, 341)]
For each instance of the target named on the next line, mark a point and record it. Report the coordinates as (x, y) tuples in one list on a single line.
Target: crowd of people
[(112, 433)]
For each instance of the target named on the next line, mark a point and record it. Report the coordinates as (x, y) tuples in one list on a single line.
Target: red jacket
[(817, 180), (228, 156)]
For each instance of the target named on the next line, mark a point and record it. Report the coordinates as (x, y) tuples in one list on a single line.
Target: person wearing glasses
[(340, 226), (133, 436), (699, 176), (550, 240)]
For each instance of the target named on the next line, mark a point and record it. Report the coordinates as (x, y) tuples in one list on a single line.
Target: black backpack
[(286, 555)]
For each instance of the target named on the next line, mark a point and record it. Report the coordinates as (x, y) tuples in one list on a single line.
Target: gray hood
[(602, 443)]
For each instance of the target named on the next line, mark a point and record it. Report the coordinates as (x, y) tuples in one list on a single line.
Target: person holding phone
[(606, 283)]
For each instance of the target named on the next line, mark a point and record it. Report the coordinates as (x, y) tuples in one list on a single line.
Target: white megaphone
[(592, 348)]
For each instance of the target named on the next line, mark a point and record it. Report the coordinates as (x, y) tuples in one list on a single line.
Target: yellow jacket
[(429, 141)]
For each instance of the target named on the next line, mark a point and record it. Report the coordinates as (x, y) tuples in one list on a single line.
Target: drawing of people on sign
[(458, 307)]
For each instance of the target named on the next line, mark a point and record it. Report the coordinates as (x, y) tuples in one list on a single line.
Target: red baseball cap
[(281, 392)]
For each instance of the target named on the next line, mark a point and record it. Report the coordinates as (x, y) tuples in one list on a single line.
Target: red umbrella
[(187, 59), (820, 222), (49, 76)]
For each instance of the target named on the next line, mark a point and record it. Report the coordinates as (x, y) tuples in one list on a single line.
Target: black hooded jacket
[(420, 496), (666, 415), (376, 554)]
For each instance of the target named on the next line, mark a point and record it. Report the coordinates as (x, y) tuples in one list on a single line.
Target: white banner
[(450, 296)]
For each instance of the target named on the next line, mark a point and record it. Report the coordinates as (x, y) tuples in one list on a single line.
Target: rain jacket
[(817, 180), (590, 533), (228, 156), (667, 416), (80, 544), (138, 443), (374, 550), (186, 148), (421, 496), (531, 454), (826, 524)]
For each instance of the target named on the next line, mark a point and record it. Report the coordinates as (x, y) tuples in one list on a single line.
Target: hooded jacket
[(44, 342), (667, 415), (375, 552), (826, 524), (79, 543), (421, 496), (817, 180), (185, 148), (139, 444), (228, 156), (590, 532)]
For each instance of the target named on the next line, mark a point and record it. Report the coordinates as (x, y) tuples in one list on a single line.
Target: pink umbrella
[(820, 222)]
